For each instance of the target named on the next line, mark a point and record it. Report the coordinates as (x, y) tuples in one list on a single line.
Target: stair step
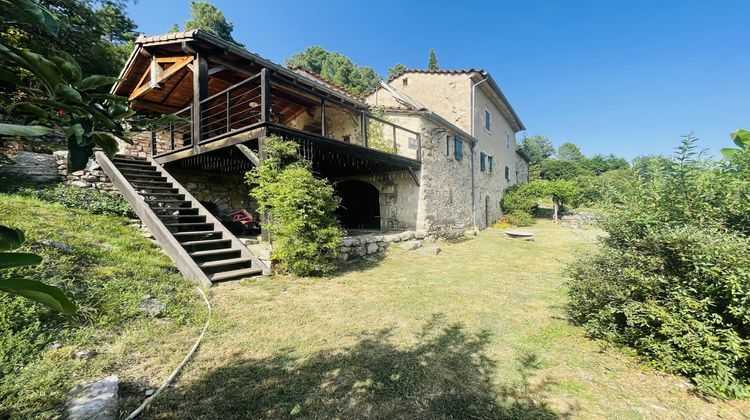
[(135, 167), (130, 157), (214, 254), (235, 274), (182, 218), (128, 161), (175, 211), (168, 204), (200, 235), (149, 178), (189, 227), (142, 190), (146, 170), (207, 244), (156, 196), (222, 263), (150, 184), (143, 175)]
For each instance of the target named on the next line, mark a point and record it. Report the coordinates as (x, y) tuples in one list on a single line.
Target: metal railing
[(253, 101)]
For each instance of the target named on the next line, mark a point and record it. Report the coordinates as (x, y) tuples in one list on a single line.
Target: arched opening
[(360, 205)]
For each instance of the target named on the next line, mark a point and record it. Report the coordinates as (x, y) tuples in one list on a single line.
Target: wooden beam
[(265, 94), (213, 145), (152, 106), (215, 70), (249, 154), (156, 71), (200, 91), (413, 175), (140, 90)]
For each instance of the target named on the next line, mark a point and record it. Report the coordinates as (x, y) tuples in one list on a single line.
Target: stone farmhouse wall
[(522, 170), (227, 191)]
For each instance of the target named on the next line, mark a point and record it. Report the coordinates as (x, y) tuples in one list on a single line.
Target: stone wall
[(399, 198), (227, 191), (90, 177), (522, 169), (31, 166)]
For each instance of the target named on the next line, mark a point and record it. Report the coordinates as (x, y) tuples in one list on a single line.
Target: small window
[(447, 145), (489, 161), (487, 120), (482, 161), (507, 139), (406, 81), (458, 148), (507, 173)]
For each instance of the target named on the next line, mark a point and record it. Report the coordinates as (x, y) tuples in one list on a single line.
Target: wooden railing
[(254, 102)]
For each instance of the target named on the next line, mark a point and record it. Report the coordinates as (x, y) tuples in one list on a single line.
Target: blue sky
[(627, 77)]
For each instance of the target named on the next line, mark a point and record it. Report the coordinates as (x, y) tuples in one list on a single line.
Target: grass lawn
[(478, 331), (107, 268)]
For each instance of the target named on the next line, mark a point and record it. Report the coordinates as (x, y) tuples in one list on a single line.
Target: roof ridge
[(327, 81), (435, 71)]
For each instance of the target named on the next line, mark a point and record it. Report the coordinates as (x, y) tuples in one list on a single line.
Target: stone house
[(468, 142), (429, 152)]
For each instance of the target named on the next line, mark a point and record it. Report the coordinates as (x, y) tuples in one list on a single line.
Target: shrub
[(672, 279), (518, 218), (305, 232), (520, 198)]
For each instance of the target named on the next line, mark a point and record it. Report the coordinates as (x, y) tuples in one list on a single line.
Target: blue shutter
[(489, 158), (487, 120), (459, 149), (482, 158)]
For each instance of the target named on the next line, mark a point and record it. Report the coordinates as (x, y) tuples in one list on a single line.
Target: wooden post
[(265, 95), (265, 235), (363, 122), (419, 147), (322, 117), (153, 143), (229, 112), (200, 91)]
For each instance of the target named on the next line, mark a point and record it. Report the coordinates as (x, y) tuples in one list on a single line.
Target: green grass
[(478, 331), (108, 273)]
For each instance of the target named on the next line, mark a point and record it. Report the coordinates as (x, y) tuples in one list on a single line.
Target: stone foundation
[(227, 191)]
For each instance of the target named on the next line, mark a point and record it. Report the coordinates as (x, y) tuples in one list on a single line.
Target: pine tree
[(433, 63), (207, 17), (396, 70)]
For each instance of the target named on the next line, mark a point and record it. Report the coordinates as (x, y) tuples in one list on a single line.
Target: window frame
[(487, 121), (458, 148), (507, 173), (490, 162), (482, 161)]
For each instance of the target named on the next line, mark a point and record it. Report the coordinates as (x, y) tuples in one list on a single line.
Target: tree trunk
[(556, 208)]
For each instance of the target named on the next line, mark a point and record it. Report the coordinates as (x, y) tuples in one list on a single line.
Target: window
[(507, 139), (458, 148), (507, 173), (489, 160), (482, 160), (447, 145), (487, 120), (406, 81)]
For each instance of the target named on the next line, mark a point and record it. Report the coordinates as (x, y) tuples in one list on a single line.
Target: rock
[(150, 392), (429, 250), (393, 237), (57, 245), (85, 354), (90, 178), (411, 245), (55, 346), (372, 248), (78, 173), (152, 306), (360, 250), (96, 400), (420, 235), (343, 257), (80, 184), (405, 236), (350, 242)]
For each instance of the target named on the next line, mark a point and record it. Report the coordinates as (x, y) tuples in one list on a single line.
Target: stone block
[(372, 248), (411, 245), (96, 400), (429, 250)]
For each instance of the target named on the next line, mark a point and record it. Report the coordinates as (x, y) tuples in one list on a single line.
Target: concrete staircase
[(200, 246)]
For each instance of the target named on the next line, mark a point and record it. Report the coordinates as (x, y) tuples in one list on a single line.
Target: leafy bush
[(672, 279), (520, 198), (305, 232), (93, 201), (518, 218)]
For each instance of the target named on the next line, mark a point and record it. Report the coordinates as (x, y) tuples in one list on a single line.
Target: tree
[(174, 28), (570, 152), (335, 67), (537, 148), (396, 71), (432, 64), (741, 138), (554, 169), (96, 33), (207, 17), (599, 164)]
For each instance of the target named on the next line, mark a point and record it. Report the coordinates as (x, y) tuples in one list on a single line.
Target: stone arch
[(360, 204)]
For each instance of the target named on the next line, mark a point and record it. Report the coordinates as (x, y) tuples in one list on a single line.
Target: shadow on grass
[(444, 374)]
